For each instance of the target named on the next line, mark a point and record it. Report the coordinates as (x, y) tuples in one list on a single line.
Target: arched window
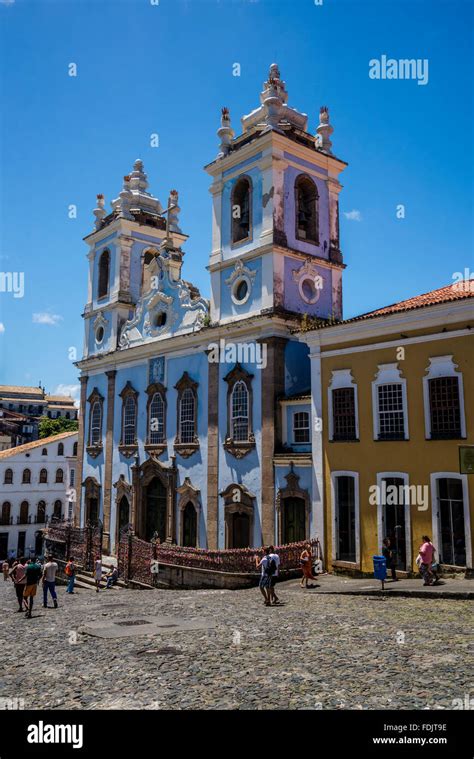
[(58, 509), (156, 419), (8, 477), (241, 210), (104, 267), (41, 512), (186, 441), (240, 438), (24, 509), (74, 449), (59, 475), (307, 211), (95, 435), (43, 476), (26, 478), (129, 416), (6, 509), (60, 449), (240, 412), (44, 452)]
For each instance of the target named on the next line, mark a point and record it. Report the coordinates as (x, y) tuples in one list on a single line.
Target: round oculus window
[(309, 291), (241, 291), (99, 335)]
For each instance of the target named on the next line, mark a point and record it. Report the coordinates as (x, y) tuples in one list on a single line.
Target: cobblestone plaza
[(225, 650)]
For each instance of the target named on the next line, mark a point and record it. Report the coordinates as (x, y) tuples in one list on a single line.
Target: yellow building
[(392, 403)]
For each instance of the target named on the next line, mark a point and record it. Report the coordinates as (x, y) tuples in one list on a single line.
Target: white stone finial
[(324, 131), (173, 212), (274, 97), (100, 212), (125, 199), (225, 133), (138, 177)]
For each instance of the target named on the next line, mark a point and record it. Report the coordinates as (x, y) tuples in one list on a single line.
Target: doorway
[(393, 518), (294, 520), (451, 518), (123, 513), (155, 510), (189, 525), (3, 545), (240, 530)]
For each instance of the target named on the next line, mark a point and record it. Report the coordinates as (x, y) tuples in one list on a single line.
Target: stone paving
[(316, 651)]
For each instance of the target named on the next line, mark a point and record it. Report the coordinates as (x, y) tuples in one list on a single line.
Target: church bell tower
[(275, 225)]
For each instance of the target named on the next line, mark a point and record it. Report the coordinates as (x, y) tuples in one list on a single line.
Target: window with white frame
[(443, 397), (301, 427), (343, 406), (389, 398), (72, 477), (129, 420)]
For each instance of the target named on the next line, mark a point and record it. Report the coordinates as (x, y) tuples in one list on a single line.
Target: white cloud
[(2, 327), (72, 390), (353, 215), (45, 318)]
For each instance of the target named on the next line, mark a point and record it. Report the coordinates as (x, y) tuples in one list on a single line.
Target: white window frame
[(355, 475), (233, 418), (435, 516), (442, 366), (389, 374), (293, 415), (380, 520), (342, 378)]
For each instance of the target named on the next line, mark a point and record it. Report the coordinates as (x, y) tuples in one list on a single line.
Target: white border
[(342, 378), (380, 516), (442, 366), (435, 520), (355, 475), (389, 374)]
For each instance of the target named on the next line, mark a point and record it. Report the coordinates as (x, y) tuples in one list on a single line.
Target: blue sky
[(168, 69)]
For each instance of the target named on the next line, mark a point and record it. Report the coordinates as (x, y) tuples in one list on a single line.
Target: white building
[(36, 486)]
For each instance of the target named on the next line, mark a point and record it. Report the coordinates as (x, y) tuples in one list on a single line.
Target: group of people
[(269, 566), (425, 561), (26, 575)]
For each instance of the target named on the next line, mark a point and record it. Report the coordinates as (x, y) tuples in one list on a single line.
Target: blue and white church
[(197, 421)]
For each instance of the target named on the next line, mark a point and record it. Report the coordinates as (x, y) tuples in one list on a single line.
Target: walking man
[(18, 575), (70, 570), (268, 567), (33, 575), (49, 582), (5, 570), (274, 556)]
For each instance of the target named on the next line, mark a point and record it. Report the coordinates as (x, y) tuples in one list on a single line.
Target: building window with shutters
[(343, 407), (443, 397)]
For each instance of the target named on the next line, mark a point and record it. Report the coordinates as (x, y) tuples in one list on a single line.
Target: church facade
[(261, 416), (196, 412)]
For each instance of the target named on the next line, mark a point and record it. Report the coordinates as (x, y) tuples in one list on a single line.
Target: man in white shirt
[(49, 582), (276, 559)]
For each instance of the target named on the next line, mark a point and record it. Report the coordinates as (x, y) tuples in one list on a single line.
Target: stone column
[(273, 385), (134, 517), (318, 525), (109, 449), (170, 501), (81, 443), (213, 457)]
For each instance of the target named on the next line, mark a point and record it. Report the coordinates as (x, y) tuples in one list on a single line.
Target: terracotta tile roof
[(60, 398), (458, 291), (35, 444), (450, 293)]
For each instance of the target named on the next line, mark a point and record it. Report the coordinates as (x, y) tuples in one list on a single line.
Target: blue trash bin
[(380, 567)]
